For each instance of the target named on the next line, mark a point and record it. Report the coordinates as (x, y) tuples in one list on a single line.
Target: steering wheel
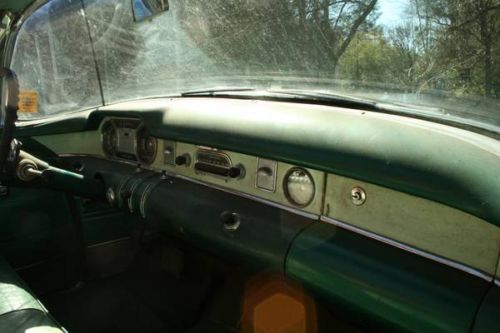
[(26, 167), (11, 96)]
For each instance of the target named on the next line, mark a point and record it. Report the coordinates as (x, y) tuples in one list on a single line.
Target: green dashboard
[(395, 218)]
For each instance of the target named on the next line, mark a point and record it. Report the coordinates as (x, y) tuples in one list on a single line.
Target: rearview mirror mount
[(146, 9)]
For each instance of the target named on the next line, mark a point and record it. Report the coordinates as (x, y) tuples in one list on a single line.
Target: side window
[(54, 61)]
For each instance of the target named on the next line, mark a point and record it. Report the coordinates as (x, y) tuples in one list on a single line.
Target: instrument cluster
[(128, 140)]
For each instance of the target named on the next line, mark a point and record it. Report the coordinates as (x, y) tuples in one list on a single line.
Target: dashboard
[(402, 220), (319, 192)]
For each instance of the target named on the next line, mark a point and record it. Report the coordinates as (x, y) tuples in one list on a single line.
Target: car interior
[(225, 210)]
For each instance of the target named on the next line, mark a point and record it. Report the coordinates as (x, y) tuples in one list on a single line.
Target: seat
[(20, 311)]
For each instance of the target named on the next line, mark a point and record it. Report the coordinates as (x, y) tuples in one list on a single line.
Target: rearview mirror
[(145, 9)]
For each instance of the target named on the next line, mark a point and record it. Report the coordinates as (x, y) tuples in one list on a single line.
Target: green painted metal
[(195, 213), (488, 317), (382, 286)]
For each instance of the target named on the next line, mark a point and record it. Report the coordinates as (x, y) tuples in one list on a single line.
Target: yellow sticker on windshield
[(28, 101)]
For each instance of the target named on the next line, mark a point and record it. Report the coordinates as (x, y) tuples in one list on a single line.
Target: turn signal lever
[(30, 167)]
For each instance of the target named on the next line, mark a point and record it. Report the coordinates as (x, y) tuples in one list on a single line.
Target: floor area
[(161, 287), (157, 293)]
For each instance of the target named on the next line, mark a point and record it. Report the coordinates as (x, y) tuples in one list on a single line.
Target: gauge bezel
[(151, 159), (287, 193)]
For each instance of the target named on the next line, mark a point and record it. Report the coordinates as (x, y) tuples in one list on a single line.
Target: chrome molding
[(497, 282), (250, 197), (407, 248)]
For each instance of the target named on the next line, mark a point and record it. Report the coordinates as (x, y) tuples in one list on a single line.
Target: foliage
[(441, 46), (306, 35)]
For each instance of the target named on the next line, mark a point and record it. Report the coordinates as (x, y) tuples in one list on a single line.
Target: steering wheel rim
[(11, 107)]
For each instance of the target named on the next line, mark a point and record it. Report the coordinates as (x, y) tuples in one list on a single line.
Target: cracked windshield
[(438, 57)]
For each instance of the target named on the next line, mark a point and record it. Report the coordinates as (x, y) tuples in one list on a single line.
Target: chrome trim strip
[(251, 197), (82, 155), (497, 282), (109, 242), (404, 247)]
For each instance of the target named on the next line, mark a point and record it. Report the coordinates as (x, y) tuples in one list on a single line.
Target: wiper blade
[(327, 97), (215, 91), (298, 96)]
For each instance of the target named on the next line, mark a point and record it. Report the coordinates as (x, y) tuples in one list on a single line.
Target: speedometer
[(299, 187), (146, 146)]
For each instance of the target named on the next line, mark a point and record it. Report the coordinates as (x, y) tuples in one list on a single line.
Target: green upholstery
[(29, 320), (20, 311)]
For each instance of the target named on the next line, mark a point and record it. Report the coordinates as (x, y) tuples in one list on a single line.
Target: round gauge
[(146, 146), (299, 187), (109, 138)]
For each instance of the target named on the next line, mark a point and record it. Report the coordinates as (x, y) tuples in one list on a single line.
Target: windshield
[(440, 54)]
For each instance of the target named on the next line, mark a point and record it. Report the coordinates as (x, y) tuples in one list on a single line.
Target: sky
[(391, 11)]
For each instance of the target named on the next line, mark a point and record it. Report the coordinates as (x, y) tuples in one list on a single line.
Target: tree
[(466, 35), (307, 35), (369, 60)]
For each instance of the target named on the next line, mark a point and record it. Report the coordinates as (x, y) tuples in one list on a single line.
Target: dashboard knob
[(237, 172), (110, 196), (183, 160), (230, 221)]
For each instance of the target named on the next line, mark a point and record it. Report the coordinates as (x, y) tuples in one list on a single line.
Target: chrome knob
[(110, 196), (358, 196)]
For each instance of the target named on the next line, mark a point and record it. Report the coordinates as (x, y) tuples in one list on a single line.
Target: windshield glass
[(440, 54)]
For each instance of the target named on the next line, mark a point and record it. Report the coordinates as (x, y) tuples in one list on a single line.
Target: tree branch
[(355, 27)]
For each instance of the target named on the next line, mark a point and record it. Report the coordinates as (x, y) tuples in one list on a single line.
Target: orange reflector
[(28, 101), (275, 305)]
